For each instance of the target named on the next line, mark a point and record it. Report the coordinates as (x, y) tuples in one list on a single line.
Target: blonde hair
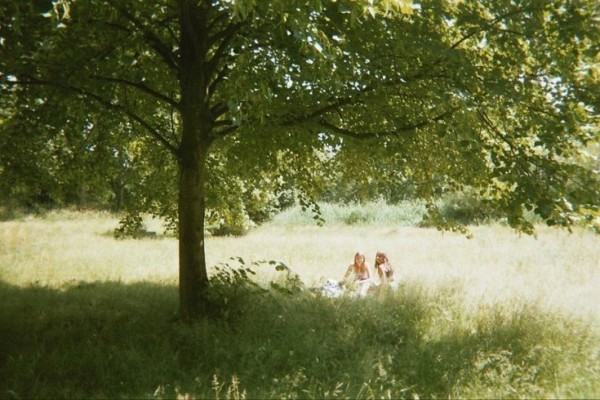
[(360, 269)]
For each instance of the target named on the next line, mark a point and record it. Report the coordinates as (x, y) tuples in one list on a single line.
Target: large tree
[(498, 96)]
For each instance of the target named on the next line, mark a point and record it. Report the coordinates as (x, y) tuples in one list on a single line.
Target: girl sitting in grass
[(384, 269), (359, 275)]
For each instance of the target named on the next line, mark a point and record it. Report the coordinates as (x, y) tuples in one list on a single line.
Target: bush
[(456, 209), (466, 208), (357, 217)]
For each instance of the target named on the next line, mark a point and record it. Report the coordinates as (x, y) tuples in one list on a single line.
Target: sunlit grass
[(554, 269), (65, 247)]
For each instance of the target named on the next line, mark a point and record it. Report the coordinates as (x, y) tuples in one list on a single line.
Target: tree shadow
[(109, 339), (88, 339)]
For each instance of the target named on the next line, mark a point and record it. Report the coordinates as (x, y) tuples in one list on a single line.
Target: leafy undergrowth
[(108, 339)]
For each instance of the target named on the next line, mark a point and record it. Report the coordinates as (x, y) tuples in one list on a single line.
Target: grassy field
[(499, 315)]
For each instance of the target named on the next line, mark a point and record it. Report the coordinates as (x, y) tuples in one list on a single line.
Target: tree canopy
[(201, 100)]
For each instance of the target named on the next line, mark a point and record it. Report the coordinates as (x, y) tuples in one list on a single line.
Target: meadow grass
[(501, 315)]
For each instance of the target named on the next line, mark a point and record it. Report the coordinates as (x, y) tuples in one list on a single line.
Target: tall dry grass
[(65, 247), (555, 269)]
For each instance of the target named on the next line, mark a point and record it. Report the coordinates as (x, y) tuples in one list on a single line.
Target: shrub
[(459, 208), (357, 217), (465, 208)]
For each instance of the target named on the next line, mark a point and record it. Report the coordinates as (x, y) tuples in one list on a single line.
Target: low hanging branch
[(140, 86), (370, 135), (106, 104)]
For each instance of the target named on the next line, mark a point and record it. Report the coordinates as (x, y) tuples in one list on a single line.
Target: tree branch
[(142, 87), (336, 104), (494, 129), (218, 109), (106, 104), (487, 25), (225, 36), (226, 131), (152, 39), (370, 135), (217, 20)]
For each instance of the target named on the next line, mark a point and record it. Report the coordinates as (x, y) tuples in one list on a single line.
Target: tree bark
[(193, 151), (193, 277)]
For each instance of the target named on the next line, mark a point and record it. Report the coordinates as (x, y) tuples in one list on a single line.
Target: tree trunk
[(193, 277), (195, 141)]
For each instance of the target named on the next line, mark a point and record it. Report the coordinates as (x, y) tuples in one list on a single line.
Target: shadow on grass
[(108, 339), (88, 340)]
